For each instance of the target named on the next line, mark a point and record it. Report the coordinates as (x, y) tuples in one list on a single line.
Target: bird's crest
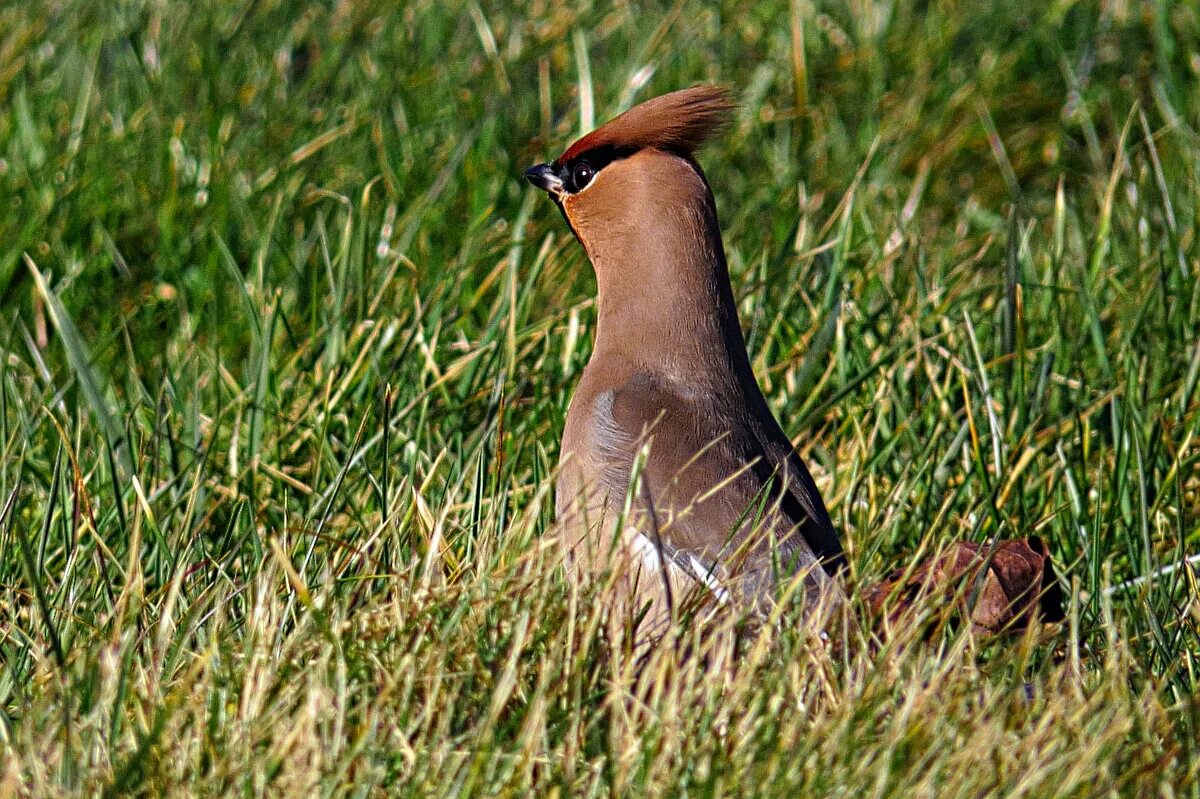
[(678, 123)]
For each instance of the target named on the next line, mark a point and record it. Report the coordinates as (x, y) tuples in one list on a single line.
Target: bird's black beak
[(546, 178)]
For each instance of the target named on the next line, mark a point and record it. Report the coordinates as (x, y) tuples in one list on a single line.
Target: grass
[(287, 346)]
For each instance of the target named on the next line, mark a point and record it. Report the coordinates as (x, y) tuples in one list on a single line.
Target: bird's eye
[(581, 175)]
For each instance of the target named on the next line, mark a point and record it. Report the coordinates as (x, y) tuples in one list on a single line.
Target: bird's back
[(715, 503)]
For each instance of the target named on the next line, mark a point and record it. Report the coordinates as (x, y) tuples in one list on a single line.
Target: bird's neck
[(666, 304)]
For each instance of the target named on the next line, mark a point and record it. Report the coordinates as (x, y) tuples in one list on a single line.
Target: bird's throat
[(669, 304)]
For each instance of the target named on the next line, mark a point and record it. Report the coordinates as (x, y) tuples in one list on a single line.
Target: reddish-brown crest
[(678, 122)]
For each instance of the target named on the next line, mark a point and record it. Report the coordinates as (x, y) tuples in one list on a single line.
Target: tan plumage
[(678, 122), (725, 509)]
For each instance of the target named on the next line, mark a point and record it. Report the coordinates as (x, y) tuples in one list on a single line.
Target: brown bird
[(721, 505)]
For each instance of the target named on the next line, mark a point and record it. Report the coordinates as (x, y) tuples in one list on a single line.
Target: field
[(287, 345)]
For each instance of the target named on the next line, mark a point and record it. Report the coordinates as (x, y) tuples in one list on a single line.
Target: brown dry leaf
[(1019, 585)]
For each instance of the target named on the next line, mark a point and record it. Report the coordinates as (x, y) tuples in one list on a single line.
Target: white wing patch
[(691, 569), (644, 549), (700, 571)]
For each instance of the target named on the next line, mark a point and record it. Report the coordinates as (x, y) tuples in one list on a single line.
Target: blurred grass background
[(287, 346)]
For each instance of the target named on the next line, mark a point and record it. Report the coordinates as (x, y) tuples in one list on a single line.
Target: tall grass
[(287, 347)]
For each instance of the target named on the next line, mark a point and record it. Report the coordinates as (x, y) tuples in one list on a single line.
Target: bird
[(673, 470)]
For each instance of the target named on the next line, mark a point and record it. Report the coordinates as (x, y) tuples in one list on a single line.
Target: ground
[(287, 345)]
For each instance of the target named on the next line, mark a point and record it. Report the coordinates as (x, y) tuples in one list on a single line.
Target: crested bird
[(672, 466)]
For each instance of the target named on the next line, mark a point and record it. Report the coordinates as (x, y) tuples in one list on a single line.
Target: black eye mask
[(581, 170), (581, 175)]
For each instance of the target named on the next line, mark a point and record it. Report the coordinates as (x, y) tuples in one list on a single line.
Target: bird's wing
[(708, 498)]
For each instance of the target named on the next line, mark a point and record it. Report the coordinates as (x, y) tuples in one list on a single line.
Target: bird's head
[(636, 170)]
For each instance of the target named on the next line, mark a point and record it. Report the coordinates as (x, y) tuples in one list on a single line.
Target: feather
[(677, 123)]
